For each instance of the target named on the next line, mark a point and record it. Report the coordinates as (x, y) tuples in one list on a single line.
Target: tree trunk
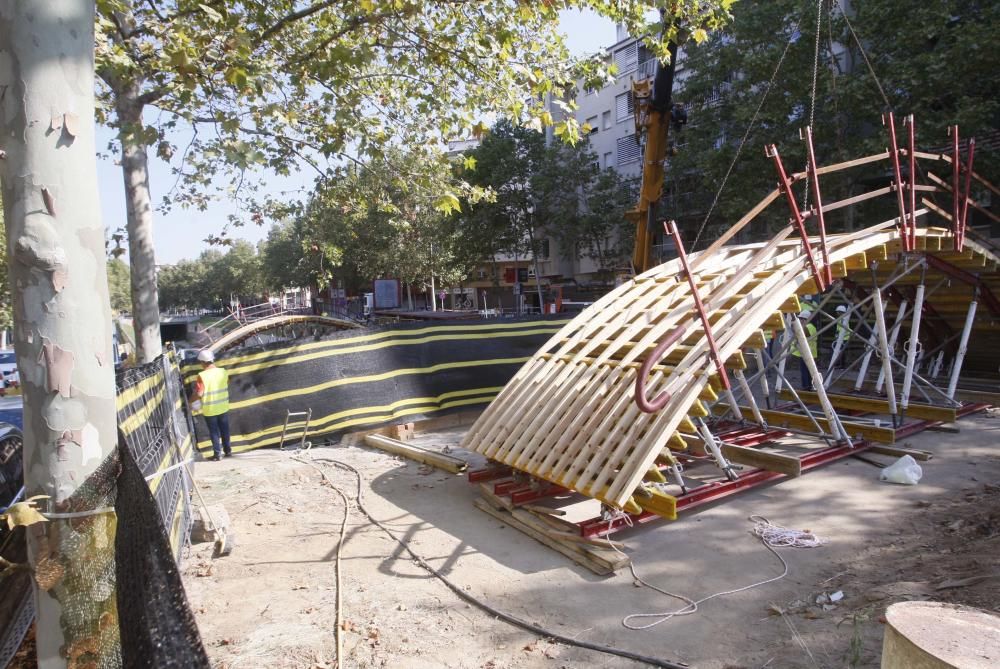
[(139, 217), (62, 316)]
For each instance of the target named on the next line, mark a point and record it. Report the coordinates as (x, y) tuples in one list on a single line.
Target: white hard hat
[(805, 313), (206, 356), (842, 308)]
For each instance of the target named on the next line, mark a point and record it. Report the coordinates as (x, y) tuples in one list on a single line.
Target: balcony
[(646, 69)]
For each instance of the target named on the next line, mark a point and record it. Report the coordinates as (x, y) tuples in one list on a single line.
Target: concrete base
[(935, 635)]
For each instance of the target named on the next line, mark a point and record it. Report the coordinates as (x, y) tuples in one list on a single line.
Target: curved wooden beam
[(242, 333)]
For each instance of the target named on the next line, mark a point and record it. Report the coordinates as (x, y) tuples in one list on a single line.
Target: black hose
[(462, 594)]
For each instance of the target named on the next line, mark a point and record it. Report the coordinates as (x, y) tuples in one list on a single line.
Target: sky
[(180, 233)]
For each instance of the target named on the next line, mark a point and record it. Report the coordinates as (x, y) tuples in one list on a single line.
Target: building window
[(606, 120), (543, 249), (623, 107), (608, 160), (628, 150), (626, 58), (592, 122)]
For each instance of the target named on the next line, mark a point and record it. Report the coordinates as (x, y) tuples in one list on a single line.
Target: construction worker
[(810, 330), (837, 354), (211, 388)]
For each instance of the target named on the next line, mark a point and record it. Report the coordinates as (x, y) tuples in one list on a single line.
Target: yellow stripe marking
[(482, 395), (264, 355), (406, 371)]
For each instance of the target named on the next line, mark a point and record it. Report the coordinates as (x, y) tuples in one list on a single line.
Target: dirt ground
[(271, 603)]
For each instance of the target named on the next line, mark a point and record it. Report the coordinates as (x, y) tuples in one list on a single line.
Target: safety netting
[(354, 380)]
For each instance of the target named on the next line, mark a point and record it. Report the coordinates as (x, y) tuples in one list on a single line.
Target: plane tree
[(229, 89)]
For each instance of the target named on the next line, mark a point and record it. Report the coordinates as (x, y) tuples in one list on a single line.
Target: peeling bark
[(139, 217), (62, 317)]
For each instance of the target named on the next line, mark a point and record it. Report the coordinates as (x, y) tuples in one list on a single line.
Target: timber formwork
[(651, 375)]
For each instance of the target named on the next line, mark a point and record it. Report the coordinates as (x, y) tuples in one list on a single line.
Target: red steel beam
[(716, 490)]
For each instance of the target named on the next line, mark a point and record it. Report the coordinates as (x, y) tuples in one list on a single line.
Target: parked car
[(8, 367)]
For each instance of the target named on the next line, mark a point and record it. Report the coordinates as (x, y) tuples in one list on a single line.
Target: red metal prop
[(890, 121), (785, 184), (818, 206), (912, 183)]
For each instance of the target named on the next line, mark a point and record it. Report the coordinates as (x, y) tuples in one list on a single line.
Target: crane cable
[(770, 85), (746, 136), (864, 55), (812, 95)]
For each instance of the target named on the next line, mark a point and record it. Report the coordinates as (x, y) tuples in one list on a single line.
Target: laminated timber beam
[(875, 405), (797, 421)]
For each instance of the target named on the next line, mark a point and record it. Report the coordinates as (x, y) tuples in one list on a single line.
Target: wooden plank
[(885, 435), (428, 457), (874, 405), (788, 465), (900, 452), (594, 559)]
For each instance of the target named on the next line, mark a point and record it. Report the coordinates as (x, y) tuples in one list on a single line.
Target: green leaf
[(212, 14), (699, 35), (447, 204), (469, 162), (237, 76)]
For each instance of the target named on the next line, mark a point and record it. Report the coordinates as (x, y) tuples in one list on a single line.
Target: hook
[(661, 400)]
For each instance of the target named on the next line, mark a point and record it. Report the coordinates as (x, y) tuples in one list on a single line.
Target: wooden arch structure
[(640, 375), (278, 322)]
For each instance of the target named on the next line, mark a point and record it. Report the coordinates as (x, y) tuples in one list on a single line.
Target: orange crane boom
[(653, 109)]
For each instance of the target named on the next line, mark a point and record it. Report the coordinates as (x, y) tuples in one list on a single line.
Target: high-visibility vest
[(813, 344), (215, 393), (843, 332)]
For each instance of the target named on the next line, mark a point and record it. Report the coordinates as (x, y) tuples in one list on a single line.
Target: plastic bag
[(905, 471)]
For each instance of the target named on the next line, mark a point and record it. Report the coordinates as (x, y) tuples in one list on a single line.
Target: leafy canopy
[(280, 84)]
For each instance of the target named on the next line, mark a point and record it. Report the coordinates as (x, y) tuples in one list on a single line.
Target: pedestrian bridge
[(654, 368)]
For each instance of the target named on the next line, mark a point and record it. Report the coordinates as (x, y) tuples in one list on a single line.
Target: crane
[(654, 111)]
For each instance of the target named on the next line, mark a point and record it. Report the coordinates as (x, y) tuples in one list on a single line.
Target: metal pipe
[(843, 322), (751, 400), (713, 448), (785, 339), (936, 367), (733, 404), (762, 373), (896, 327), (963, 343), (817, 377), (914, 344), (883, 342)]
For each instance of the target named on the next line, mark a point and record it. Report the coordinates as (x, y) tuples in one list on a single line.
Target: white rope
[(773, 537)]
